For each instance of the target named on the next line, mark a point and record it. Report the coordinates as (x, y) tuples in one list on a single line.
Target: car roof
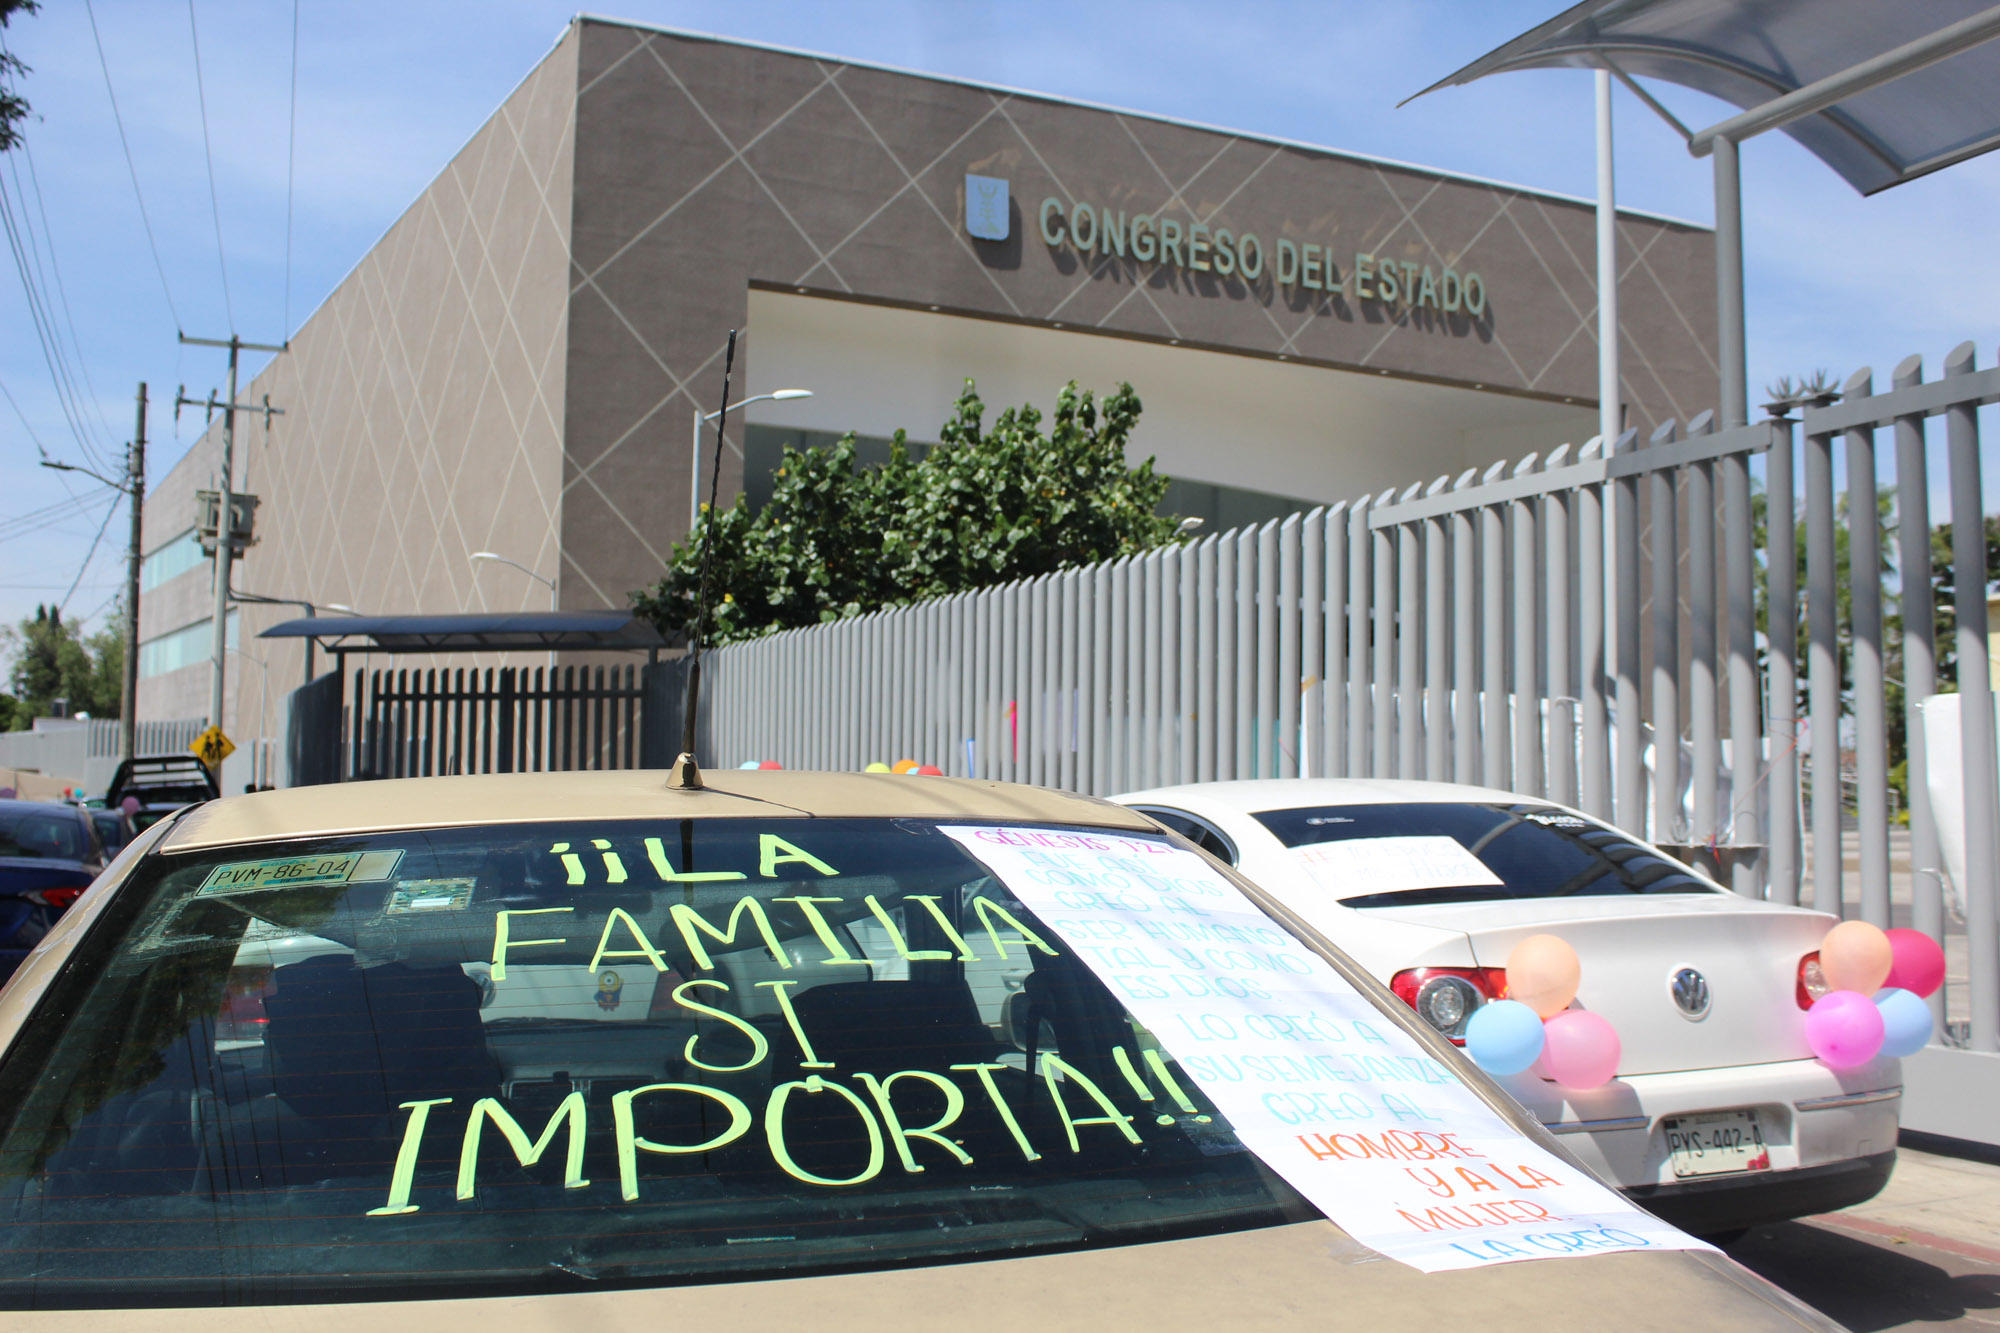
[(1251, 795), (516, 798), (17, 806)]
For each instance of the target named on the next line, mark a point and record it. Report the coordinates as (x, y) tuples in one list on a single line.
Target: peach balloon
[(1856, 956), (1543, 973)]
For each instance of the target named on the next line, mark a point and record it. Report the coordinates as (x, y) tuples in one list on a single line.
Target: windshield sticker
[(300, 872), (1351, 867), (429, 895), (1385, 1139)]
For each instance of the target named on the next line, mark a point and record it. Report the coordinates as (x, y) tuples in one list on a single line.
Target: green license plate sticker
[(429, 895), (295, 872)]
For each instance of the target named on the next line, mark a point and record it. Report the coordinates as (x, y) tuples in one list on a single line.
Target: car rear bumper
[(1719, 1204), (1831, 1136)]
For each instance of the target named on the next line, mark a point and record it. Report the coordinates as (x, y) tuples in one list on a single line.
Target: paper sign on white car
[(1354, 866), (1346, 1106)]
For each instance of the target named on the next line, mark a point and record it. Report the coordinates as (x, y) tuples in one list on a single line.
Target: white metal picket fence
[(1582, 626)]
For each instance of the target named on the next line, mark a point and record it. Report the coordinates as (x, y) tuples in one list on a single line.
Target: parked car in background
[(520, 1051), (114, 829), (159, 784), (49, 854), (1720, 1118)]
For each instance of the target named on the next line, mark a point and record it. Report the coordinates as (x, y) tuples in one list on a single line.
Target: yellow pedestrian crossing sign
[(212, 747)]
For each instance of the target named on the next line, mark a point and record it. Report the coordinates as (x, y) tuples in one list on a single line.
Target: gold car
[(840, 1051)]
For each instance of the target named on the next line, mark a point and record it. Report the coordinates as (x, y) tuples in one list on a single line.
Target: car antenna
[(685, 775)]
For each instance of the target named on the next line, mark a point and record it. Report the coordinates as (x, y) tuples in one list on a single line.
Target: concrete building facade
[(517, 365)]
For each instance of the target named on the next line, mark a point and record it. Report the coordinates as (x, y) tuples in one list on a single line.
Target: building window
[(189, 646), (177, 557), (1220, 508)]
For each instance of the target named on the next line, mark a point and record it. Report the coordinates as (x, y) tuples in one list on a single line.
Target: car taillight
[(59, 898), (242, 1017), (1812, 981), (1445, 997)]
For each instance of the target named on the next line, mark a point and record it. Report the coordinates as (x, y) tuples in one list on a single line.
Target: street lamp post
[(257, 756), (476, 556), (701, 418)]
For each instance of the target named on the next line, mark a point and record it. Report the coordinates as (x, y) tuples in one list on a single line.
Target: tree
[(986, 506), (53, 661), (13, 107)]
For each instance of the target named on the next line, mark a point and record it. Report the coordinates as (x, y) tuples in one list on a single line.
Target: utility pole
[(135, 481), (225, 525), (134, 488)]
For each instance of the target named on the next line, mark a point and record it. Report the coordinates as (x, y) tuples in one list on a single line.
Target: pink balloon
[(1844, 1029), (1581, 1049), (770, 763), (1919, 962)]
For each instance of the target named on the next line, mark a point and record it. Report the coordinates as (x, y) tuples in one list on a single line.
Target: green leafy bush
[(984, 507)]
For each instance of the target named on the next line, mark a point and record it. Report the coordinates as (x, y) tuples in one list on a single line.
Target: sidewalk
[(1923, 1253)]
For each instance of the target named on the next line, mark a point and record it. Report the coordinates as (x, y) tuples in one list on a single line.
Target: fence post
[(1526, 694), (1704, 698), (1408, 620), (1435, 713), (1781, 614), (1464, 640), (1316, 718), (1913, 559), (1562, 683), (1497, 750), (1746, 706), (1360, 615), (1982, 801), (1288, 762), (1666, 647), (1595, 796), (1823, 674), (1871, 735), (1629, 787)]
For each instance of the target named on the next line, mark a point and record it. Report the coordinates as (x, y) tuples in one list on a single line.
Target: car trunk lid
[(1633, 946)]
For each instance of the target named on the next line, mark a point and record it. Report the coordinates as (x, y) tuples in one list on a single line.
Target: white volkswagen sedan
[(1719, 1118)]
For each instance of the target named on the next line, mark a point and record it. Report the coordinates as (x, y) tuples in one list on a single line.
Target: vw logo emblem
[(1690, 992)]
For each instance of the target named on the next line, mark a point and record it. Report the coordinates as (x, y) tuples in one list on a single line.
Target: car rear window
[(52, 835), (1508, 851), (530, 1058)]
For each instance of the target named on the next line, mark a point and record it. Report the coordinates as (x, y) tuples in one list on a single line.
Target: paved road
[(1924, 1253)]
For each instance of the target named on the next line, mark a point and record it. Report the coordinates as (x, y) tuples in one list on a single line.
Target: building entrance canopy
[(1940, 105), (596, 631)]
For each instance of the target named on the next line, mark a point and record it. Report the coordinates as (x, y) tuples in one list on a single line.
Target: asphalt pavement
[(1922, 1254)]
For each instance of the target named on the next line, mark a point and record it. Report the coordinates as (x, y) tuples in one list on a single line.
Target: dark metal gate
[(431, 722)]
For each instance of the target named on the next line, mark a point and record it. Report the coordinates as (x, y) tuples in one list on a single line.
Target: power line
[(26, 525), (131, 166), (25, 423), (88, 556), (291, 160), (62, 295), (45, 331), (214, 203)]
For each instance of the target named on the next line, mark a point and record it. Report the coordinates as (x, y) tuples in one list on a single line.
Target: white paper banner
[(1380, 1136), (1353, 866)]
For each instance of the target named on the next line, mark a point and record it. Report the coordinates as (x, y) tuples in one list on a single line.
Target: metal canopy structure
[(1881, 93), (598, 631)]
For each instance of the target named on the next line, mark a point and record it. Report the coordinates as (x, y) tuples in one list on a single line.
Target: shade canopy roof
[(476, 632), (1752, 52)]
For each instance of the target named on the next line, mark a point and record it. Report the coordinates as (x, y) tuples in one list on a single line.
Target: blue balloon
[(748, 763), (1505, 1037), (1906, 1021)]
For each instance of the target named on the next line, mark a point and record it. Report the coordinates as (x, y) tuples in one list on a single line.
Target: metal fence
[(1593, 626), (421, 723)]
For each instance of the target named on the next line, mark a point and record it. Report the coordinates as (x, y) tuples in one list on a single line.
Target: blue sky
[(386, 93)]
